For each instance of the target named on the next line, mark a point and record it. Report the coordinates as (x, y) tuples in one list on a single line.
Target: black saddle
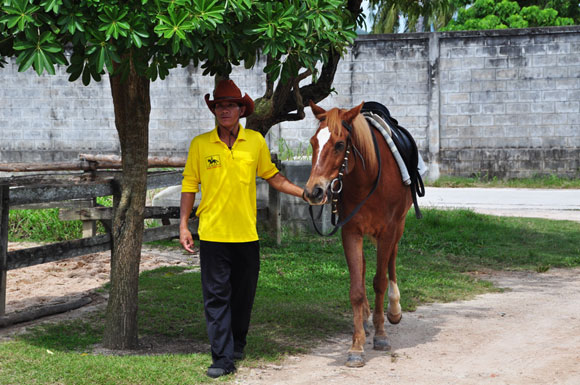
[(407, 148)]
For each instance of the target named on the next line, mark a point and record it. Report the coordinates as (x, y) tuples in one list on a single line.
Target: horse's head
[(329, 149)]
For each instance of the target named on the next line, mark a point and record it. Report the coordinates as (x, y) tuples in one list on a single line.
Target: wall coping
[(469, 34)]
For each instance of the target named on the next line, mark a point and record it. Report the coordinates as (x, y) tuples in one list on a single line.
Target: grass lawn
[(302, 298), (539, 181)]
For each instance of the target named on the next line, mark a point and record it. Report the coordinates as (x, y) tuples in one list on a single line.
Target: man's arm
[(185, 238), (282, 184)]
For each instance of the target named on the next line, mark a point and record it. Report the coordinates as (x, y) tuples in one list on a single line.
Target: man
[(225, 162)]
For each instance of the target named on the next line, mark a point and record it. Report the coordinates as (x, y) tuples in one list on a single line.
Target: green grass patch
[(24, 362), (41, 226), (44, 226), (538, 181), (302, 298)]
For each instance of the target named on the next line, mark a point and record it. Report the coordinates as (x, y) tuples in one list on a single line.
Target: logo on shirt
[(212, 162)]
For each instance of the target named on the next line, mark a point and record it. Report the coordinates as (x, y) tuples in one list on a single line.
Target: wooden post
[(274, 208), (4, 210), (275, 215), (90, 226)]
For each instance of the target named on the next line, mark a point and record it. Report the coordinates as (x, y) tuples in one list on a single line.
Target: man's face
[(228, 114)]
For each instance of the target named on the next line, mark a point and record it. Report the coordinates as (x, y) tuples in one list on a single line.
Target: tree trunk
[(132, 106)]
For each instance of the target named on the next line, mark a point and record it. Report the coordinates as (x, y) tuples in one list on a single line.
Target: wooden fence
[(38, 191)]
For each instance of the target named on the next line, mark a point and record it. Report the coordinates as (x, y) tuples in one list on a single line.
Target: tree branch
[(277, 103), (269, 82)]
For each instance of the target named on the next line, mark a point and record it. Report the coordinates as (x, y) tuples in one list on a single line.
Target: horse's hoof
[(381, 343), (355, 360), (394, 318)]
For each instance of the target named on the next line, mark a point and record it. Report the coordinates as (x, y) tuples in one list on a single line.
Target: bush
[(516, 21), (507, 9), (501, 14)]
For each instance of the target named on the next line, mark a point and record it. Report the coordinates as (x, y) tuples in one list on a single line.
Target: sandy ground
[(70, 279), (529, 334)]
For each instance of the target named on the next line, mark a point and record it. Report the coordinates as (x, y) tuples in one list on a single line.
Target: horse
[(344, 153)]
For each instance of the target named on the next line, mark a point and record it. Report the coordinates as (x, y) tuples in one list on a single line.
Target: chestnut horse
[(382, 216)]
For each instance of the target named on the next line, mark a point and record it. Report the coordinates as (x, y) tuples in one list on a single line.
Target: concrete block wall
[(510, 102), (498, 103)]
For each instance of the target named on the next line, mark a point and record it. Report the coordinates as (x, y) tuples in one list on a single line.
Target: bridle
[(335, 186)]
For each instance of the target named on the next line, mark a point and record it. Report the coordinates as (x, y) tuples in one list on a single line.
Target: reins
[(335, 192)]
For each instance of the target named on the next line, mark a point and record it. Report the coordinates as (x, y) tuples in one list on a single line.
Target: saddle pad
[(413, 165), (385, 130)]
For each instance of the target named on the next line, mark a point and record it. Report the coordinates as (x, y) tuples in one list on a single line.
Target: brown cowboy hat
[(227, 91)]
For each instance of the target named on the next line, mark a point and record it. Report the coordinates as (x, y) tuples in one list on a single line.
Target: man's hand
[(186, 205), (186, 240)]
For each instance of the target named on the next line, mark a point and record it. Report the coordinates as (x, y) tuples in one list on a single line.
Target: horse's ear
[(317, 111), (351, 114)]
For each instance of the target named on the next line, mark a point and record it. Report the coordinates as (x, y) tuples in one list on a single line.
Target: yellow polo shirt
[(227, 211)]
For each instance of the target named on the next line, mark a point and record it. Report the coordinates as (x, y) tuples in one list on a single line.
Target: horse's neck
[(359, 180)]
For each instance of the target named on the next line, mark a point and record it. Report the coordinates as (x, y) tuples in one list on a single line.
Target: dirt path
[(529, 334)]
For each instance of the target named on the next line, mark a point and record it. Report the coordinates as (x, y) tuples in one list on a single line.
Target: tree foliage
[(418, 15), (162, 34), (502, 14), (448, 15)]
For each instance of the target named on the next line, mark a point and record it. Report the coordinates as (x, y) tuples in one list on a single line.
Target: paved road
[(561, 204)]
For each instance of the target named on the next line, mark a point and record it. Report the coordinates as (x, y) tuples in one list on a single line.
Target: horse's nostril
[(318, 193)]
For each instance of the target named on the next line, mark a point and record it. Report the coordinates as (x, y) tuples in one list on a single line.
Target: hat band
[(228, 97)]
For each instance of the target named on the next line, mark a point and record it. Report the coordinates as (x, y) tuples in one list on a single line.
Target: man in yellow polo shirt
[(225, 163)]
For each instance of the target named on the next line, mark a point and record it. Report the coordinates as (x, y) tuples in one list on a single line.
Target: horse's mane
[(361, 136)]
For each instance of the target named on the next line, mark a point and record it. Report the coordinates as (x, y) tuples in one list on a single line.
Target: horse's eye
[(339, 146)]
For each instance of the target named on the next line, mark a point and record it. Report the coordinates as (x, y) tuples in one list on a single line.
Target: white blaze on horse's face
[(322, 137), (326, 161)]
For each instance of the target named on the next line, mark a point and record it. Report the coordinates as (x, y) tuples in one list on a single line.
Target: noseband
[(335, 186)]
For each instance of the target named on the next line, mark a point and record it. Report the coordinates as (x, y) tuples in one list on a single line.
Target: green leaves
[(51, 5), (114, 23), (138, 32), (204, 15), (19, 15), (499, 14), (72, 20), (41, 52), (154, 36), (175, 23)]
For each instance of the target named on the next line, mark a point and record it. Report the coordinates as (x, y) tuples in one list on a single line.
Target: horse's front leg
[(352, 244)]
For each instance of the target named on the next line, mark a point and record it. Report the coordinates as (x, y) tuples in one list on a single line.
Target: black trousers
[(229, 277)]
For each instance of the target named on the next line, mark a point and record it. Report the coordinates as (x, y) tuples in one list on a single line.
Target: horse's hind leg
[(366, 306), (380, 341), (394, 312), (352, 244), (387, 247)]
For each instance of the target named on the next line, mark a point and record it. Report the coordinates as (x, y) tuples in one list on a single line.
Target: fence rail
[(39, 191)]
